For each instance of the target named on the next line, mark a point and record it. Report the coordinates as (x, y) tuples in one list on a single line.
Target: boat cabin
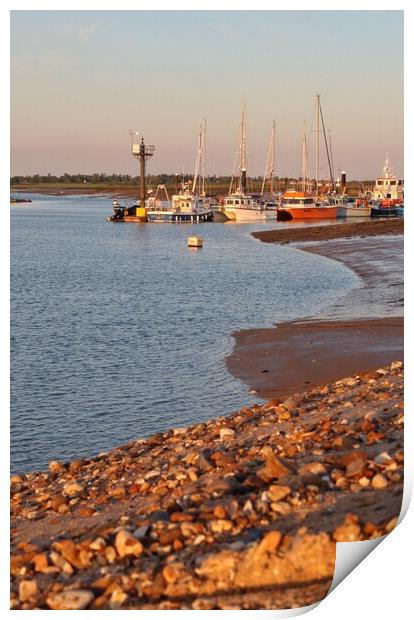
[(238, 200), (297, 199)]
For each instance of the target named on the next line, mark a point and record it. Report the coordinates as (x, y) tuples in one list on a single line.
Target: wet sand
[(367, 227), (362, 330), (294, 357)]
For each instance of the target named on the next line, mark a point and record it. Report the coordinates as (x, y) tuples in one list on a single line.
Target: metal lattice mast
[(142, 152)]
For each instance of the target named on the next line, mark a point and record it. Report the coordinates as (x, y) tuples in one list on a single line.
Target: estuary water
[(120, 330)]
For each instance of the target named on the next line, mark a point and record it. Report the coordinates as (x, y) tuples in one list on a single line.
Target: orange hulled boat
[(301, 206)]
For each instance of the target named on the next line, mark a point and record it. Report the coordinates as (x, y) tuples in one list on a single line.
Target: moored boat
[(380, 210), (388, 190), (239, 205), (302, 206), (18, 199), (188, 205), (350, 208)]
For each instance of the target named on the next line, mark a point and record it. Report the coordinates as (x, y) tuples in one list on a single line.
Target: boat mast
[(332, 161), (272, 169), (304, 160), (326, 146), (197, 164), (270, 162), (203, 156), (243, 177), (317, 144)]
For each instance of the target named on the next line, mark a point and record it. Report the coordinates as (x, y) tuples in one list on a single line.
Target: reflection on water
[(119, 330)]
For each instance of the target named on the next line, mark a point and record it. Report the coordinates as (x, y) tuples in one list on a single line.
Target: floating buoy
[(195, 242)]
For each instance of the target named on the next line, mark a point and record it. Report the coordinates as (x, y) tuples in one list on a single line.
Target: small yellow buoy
[(195, 242)]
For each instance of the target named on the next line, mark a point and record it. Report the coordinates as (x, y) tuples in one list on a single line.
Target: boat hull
[(306, 213), (354, 211), (177, 218), (248, 215), (384, 212)]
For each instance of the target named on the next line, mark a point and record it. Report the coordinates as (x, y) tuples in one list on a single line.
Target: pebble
[(348, 531), (379, 482), (56, 468), (278, 492), (226, 432), (269, 543), (70, 599), (71, 489), (141, 532), (290, 404), (126, 544), (273, 467), (27, 589), (383, 459), (315, 468)]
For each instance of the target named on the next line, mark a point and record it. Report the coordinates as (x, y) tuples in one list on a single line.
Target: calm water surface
[(119, 330)]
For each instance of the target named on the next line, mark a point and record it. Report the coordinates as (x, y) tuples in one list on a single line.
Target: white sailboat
[(240, 205)]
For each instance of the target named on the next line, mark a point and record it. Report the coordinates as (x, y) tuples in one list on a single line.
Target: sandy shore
[(244, 511)]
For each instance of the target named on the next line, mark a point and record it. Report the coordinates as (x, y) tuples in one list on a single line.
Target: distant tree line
[(103, 178)]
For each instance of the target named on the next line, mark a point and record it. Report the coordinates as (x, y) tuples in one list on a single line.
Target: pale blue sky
[(81, 79)]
